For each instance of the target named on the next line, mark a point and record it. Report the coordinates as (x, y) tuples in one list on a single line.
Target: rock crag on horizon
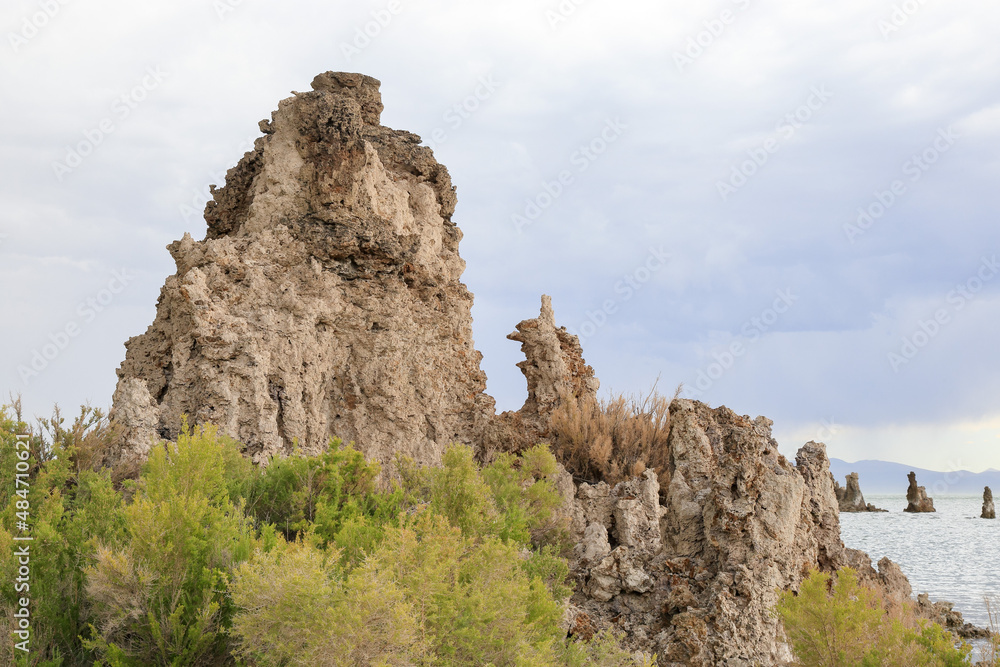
[(850, 498), (916, 497), (325, 300), (989, 509)]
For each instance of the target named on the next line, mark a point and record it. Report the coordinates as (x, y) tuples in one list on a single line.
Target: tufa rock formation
[(850, 498), (553, 367), (916, 497), (689, 565), (989, 509), (324, 301)]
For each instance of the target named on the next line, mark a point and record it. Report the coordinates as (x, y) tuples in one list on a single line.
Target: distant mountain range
[(880, 477)]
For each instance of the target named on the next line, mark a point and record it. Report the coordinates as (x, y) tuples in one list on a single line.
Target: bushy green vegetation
[(206, 559), (836, 622)]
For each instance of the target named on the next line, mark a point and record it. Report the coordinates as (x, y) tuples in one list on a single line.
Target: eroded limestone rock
[(689, 564), (850, 498), (916, 497), (554, 367), (325, 300), (989, 509)]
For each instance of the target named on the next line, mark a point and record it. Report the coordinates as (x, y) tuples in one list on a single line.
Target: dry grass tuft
[(613, 439)]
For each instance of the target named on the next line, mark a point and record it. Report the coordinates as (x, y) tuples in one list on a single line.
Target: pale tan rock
[(737, 524), (553, 367), (325, 300), (989, 509)]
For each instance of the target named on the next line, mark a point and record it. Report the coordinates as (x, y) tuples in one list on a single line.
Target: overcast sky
[(790, 207)]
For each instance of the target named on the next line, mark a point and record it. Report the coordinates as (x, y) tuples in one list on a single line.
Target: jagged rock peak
[(916, 496), (553, 367), (326, 299)]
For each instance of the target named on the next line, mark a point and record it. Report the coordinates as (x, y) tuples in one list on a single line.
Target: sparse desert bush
[(298, 607), (71, 510), (160, 597), (835, 622), (613, 439)]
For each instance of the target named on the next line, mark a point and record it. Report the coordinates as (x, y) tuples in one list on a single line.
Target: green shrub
[(160, 598), (206, 559), (71, 510), (332, 495), (834, 623), (298, 607)]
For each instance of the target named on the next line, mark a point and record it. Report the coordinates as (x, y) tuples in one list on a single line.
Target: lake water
[(951, 554)]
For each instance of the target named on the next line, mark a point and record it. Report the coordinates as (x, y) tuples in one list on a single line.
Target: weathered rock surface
[(945, 614), (850, 498), (989, 509), (916, 497), (325, 300), (553, 367), (689, 564)]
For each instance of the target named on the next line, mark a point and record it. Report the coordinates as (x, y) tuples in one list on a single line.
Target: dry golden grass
[(989, 652), (87, 440), (613, 439)]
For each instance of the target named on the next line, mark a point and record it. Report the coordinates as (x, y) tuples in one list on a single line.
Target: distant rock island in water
[(886, 477)]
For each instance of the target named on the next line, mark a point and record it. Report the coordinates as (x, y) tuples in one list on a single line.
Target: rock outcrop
[(325, 300), (850, 498), (945, 614), (989, 509), (689, 565), (916, 497), (553, 367)]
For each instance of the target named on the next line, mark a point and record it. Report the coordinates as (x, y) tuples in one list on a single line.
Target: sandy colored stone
[(989, 509), (326, 299), (553, 367)]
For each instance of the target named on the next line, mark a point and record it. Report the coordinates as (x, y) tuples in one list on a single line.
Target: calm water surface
[(951, 554)]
